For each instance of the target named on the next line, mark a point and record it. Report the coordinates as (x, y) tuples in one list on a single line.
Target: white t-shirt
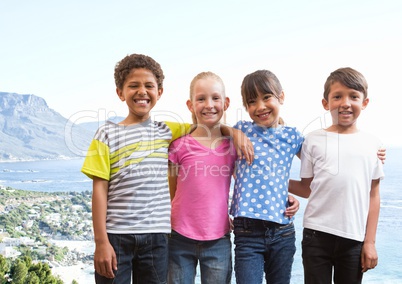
[(343, 167)]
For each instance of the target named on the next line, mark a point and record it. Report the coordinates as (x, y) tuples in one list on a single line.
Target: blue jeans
[(141, 258), (215, 259), (263, 246), (324, 252)]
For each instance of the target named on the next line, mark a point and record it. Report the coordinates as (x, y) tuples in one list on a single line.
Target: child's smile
[(140, 92)]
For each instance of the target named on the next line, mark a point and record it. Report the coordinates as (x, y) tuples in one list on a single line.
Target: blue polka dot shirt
[(261, 189)]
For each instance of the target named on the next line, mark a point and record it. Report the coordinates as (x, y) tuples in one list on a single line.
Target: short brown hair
[(348, 77)]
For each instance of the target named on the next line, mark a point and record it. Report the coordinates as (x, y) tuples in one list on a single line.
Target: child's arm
[(173, 172), (369, 257), (243, 145), (300, 187), (104, 258)]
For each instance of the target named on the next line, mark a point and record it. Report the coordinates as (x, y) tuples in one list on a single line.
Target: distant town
[(30, 221)]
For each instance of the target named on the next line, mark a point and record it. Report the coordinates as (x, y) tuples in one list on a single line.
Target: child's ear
[(325, 104), (160, 92), (119, 92), (365, 103), (190, 106), (227, 103), (282, 97)]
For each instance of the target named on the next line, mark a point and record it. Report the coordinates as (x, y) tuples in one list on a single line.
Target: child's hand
[(293, 206), (231, 223), (382, 154), (244, 147), (105, 260), (369, 257)]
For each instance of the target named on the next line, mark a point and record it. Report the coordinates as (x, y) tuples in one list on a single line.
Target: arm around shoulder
[(243, 145), (300, 187)]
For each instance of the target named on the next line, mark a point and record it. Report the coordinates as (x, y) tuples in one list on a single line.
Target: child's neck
[(209, 137), (349, 129), (130, 120)]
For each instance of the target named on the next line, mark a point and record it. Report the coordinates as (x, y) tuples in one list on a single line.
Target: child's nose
[(345, 102), (209, 103), (260, 104), (142, 90)]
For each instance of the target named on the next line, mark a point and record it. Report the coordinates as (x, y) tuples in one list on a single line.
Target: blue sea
[(65, 175)]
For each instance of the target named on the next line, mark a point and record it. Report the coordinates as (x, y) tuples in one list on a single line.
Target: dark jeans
[(326, 253), (142, 258), (263, 246)]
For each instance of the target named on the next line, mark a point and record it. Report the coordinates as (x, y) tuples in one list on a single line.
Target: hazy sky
[(65, 52)]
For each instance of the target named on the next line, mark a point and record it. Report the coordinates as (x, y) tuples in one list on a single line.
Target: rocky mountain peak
[(30, 130)]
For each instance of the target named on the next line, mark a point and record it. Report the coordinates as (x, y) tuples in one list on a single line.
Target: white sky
[(65, 52)]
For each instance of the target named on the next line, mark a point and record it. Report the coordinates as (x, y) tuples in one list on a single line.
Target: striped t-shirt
[(134, 159)]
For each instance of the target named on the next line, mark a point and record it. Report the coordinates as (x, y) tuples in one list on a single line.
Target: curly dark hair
[(133, 61)]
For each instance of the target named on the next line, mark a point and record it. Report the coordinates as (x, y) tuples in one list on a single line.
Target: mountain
[(93, 126), (30, 130)]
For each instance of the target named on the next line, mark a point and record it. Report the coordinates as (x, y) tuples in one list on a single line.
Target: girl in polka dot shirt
[(262, 210)]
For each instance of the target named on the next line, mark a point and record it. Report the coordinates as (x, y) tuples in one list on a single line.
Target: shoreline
[(82, 272)]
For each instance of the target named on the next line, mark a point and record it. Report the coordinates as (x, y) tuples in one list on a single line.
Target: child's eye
[(250, 102), (267, 97)]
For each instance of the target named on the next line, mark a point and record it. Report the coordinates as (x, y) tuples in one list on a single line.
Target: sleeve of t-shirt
[(306, 163), (178, 129), (299, 140), (378, 172), (97, 161)]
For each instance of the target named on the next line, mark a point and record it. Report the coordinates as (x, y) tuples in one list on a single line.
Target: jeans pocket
[(287, 230), (308, 236)]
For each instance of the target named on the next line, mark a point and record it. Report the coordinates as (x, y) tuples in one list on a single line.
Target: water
[(48, 176), (51, 176)]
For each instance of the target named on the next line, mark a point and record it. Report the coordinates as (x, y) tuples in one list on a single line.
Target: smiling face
[(208, 102), (264, 109), (140, 92), (345, 105)]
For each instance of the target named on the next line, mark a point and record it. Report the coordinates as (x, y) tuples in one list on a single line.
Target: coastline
[(82, 272)]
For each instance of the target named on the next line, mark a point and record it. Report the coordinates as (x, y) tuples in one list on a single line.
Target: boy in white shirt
[(340, 174)]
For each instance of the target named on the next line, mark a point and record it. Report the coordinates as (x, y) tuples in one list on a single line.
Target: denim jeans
[(215, 258), (141, 258), (323, 253), (263, 246)]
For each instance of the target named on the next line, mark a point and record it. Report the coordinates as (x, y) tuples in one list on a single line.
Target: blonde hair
[(206, 75)]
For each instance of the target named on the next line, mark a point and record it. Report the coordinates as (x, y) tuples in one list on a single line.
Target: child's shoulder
[(290, 130), (243, 123), (369, 137), (316, 132), (107, 126)]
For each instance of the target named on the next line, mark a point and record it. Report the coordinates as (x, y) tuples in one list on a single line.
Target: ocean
[(65, 175)]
